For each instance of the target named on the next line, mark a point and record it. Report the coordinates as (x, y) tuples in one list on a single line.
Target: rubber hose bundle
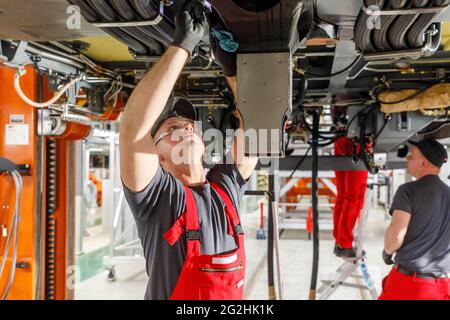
[(386, 33), (142, 40)]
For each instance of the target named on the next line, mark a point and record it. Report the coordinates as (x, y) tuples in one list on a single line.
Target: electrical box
[(264, 97)]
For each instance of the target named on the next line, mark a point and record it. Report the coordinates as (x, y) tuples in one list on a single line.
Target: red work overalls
[(208, 277), (351, 188)]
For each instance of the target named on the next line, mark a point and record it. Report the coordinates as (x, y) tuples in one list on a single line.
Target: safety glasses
[(178, 124)]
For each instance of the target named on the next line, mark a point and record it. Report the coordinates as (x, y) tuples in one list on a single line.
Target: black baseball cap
[(432, 150), (175, 107)]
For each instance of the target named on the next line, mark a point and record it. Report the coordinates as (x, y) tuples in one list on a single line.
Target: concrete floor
[(296, 262), (95, 238)]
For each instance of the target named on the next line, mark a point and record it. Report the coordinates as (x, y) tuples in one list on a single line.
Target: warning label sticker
[(17, 135)]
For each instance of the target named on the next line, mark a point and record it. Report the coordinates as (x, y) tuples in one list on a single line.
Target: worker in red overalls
[(351, 188), (187, 219)]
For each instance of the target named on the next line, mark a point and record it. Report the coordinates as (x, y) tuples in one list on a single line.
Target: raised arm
[(227, 61), (139, 160), (245, 165)]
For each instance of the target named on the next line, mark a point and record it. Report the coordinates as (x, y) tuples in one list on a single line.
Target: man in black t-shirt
[(419, 233), (161, 169)]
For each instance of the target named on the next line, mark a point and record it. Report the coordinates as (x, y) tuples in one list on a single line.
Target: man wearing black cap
[(163, 177), (419, 233)]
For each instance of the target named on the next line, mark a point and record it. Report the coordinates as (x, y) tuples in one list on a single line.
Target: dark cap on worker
[(432, 150), (175, 107)]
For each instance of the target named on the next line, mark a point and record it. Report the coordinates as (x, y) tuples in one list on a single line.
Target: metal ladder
[(352, 265)]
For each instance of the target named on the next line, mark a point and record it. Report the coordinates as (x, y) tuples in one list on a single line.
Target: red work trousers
[(351, 189), (399, 286)]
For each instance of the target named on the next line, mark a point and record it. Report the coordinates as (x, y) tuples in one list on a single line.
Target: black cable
[(315, 206), (340, 134), (303, 85), (300, 162), (270, 239), (335, 138), (335, 73), (363, 153), (329, 140), (321, 136), (354, 117), (332, 130), (410, 96)]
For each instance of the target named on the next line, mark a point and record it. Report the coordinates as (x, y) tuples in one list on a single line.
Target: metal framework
[(118, 249)]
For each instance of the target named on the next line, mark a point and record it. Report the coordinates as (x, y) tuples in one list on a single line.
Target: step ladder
[(353, 265)]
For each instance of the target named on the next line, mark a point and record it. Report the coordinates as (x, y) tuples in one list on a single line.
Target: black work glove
[(387, 258), (190, 26)]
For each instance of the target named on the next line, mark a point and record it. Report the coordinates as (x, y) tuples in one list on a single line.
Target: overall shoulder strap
[(186, 223), (229, 207), (193, 233), (191, 210)]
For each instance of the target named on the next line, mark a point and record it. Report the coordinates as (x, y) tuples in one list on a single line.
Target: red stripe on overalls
[(208, 277)]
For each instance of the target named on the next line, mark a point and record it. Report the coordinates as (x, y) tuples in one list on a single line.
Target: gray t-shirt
[(426, 247), (158, 206)]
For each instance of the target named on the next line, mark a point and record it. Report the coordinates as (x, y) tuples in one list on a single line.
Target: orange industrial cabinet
[(45, 243)]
